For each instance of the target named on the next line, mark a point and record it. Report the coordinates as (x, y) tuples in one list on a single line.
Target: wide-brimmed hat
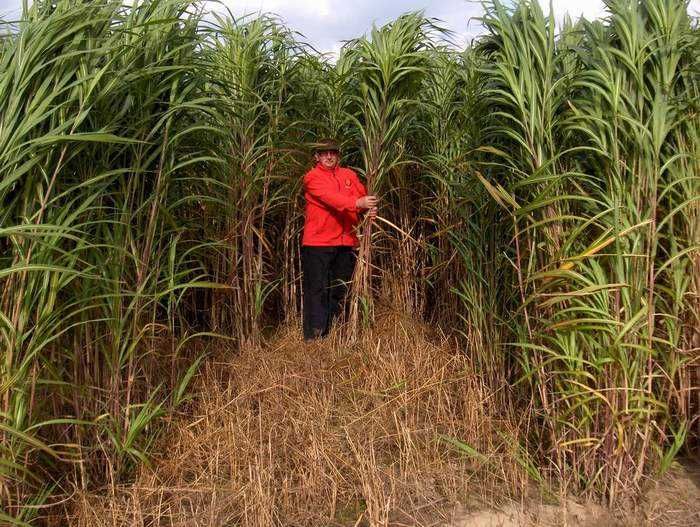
[(326, 145)]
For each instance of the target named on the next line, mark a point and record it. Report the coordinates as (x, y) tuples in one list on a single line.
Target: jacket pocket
[(321, 223)]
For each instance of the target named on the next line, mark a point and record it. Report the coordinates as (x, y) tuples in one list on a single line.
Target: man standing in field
[(335, 198)]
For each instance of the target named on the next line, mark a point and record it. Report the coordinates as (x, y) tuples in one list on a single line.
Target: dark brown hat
[(326, 145)]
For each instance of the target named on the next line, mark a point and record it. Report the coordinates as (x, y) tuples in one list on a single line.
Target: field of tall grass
[(540, 205)]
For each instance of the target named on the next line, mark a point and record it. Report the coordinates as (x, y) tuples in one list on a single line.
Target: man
[(335, 198)]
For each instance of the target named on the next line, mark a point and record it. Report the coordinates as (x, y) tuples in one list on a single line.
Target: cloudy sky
[(326, 23)]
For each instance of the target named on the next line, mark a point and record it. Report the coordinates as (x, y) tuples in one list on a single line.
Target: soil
[(673, 501)]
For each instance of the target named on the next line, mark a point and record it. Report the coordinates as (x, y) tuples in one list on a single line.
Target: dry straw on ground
[(321, 434), (327, 434)]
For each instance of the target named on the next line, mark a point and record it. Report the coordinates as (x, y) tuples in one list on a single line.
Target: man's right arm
[(323, 189)]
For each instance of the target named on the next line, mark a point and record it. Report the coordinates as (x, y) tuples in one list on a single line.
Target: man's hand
[(367, 202)]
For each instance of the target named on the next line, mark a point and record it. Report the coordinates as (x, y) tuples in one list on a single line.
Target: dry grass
[(321, 434)]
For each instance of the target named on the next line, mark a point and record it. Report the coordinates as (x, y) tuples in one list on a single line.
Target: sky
[(325, 24)]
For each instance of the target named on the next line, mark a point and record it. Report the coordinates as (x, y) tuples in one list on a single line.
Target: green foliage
[(540, 200), (599, 132), (100, 108)]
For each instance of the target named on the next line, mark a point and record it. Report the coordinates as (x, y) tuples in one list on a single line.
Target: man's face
[(328, 158)]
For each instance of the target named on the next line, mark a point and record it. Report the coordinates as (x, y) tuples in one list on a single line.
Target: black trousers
[(327, 275)]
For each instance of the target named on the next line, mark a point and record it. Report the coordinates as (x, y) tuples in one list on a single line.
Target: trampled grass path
[(331, 434)]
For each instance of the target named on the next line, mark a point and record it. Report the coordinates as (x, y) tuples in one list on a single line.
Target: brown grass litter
[(332, 434), (320, 433)]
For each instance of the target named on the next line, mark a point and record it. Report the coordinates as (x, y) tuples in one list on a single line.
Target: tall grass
[(100, 114), (539, 204), (601, 196), (389, 67), (255, 74)]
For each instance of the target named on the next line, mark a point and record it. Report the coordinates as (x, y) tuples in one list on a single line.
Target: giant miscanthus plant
[(99, 110), (635, 112), (46, 96), (254, 67), (598, 181), (525, 97), (458, 219), (389, 66)]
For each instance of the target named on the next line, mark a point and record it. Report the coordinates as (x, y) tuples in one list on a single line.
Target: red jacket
[(330, 213)]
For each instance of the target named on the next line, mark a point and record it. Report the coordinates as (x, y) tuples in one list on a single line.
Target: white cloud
[(326, 23), (576, 8), (312, 8)]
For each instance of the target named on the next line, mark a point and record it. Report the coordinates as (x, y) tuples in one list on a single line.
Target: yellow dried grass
[(324, 433)]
